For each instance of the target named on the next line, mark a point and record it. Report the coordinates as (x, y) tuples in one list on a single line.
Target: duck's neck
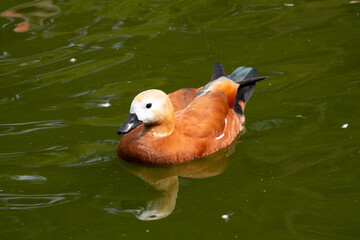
[(166, 126), (163, 129)]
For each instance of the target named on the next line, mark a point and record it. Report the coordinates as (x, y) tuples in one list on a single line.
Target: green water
[(67, 84)]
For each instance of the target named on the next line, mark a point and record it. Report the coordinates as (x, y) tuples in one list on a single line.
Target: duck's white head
[(153, 108)]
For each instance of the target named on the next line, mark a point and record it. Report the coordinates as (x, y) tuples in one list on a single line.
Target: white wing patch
[(223, 134)]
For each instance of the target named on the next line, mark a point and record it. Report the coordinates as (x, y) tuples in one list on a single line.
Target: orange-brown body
[(202, 125), (188, 123)]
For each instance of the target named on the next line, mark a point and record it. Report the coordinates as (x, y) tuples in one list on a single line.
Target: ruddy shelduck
[(189, 123)]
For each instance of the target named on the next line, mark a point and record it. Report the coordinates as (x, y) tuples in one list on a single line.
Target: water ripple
[(28, 178), (32, 201), (49, 150), (266, 125), (7, 129)]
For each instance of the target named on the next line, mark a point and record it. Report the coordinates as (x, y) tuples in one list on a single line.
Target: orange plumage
[(188, 123)]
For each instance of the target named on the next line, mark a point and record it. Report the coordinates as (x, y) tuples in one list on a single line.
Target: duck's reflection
[(33, 13), (166, 183)]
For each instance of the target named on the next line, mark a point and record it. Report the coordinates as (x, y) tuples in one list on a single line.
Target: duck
[(189, 123)]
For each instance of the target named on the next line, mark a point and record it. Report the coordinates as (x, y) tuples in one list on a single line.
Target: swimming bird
[(188, 123)]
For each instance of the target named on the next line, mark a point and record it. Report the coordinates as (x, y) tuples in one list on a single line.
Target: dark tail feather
[(244, 92), (249, 81), (242, 73), (218, 71)]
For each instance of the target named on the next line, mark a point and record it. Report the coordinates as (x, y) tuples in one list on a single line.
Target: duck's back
[(209, 124), (181, 98)]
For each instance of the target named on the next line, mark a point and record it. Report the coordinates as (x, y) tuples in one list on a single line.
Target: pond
[(70, 69)]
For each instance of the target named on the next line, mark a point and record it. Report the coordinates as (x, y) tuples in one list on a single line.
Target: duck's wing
[(180, 99), (205, 116)]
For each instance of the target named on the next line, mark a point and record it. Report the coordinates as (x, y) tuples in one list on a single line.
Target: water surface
[(68, 76)]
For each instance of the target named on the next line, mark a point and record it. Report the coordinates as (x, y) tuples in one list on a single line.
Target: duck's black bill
[(131, 123)]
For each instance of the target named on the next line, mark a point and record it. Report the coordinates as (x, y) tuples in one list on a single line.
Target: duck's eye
[(148, 105)]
